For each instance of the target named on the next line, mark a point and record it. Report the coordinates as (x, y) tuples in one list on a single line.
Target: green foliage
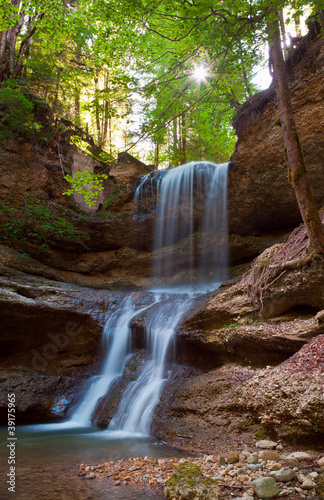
[(105, 215), (16, 112), (88, 184), (261, 433), (231, 325), (29, 220)]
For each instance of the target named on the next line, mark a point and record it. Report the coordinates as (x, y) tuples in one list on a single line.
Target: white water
[(141, 397), (116, 339), (181, 193), (191, 216)]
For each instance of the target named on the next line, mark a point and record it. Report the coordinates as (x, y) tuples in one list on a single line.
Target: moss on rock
[(188, 483)]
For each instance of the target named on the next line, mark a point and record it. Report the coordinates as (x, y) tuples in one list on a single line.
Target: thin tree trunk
[(283, 31), (110, 134), (175, 142), (97, 111), (57, 88), (183, 138), (156, 159), (296, 166), (77, 117)]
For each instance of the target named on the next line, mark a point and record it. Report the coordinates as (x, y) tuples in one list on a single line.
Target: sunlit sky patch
[(200, 73)]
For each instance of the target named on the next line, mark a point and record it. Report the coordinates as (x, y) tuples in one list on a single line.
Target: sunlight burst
[(200, 73)]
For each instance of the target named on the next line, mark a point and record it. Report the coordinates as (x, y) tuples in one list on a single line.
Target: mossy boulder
[(188, 483)]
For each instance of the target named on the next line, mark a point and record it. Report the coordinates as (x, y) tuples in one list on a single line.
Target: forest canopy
[(166, 74)]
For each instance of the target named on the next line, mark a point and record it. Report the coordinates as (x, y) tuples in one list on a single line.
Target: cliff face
[(260, 197)]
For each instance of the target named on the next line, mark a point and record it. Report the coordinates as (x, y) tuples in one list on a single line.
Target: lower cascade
[(190, 203)]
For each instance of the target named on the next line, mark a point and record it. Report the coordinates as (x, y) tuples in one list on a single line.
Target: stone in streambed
[(233, 457), (301, 456), (266, 443), (284, 474), (187, 481), (265, 487), (269, 455)]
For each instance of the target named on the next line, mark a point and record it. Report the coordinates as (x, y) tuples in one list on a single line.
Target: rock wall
[(260, 198)]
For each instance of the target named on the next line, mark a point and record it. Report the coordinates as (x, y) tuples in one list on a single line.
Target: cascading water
[(117, 342), (142, 395), (191, 222), (191, 218)]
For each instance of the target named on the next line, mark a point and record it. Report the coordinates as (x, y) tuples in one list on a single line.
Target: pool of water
[(47, 462)]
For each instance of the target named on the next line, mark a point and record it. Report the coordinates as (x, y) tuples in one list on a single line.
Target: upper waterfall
[(191, 236)]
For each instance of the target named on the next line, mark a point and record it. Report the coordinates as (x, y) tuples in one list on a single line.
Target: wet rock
[(187, 481), (265, 487), (108, 405)]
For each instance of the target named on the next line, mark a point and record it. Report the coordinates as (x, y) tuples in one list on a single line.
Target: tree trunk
[(156, 156), (175, 142), (183, 139), (97, 110), (57, 88), (283, 31), (296, 167)]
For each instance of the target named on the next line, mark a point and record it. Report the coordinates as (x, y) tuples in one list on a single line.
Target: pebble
[(233, 458), (269, 455), (284, 474), (255, 466), (320, 462), (307, 484), (301, 456), (273, 467), (265, 443), (253, 459), (293, 462), (265, 487)]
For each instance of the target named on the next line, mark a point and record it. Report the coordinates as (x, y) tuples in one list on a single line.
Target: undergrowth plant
[(16, 112), (27, 219)]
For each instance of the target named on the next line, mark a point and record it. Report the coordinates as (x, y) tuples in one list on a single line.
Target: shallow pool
[(47, 460)]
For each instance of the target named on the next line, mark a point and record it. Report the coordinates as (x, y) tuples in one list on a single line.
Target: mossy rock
[(320, 489), (188, 483)]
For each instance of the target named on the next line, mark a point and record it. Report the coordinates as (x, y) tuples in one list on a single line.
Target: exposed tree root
[(274, 262)]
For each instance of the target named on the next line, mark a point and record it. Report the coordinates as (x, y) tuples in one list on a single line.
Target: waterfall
[(190, 244), (142, 395), (117, 344), (191, 236)]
